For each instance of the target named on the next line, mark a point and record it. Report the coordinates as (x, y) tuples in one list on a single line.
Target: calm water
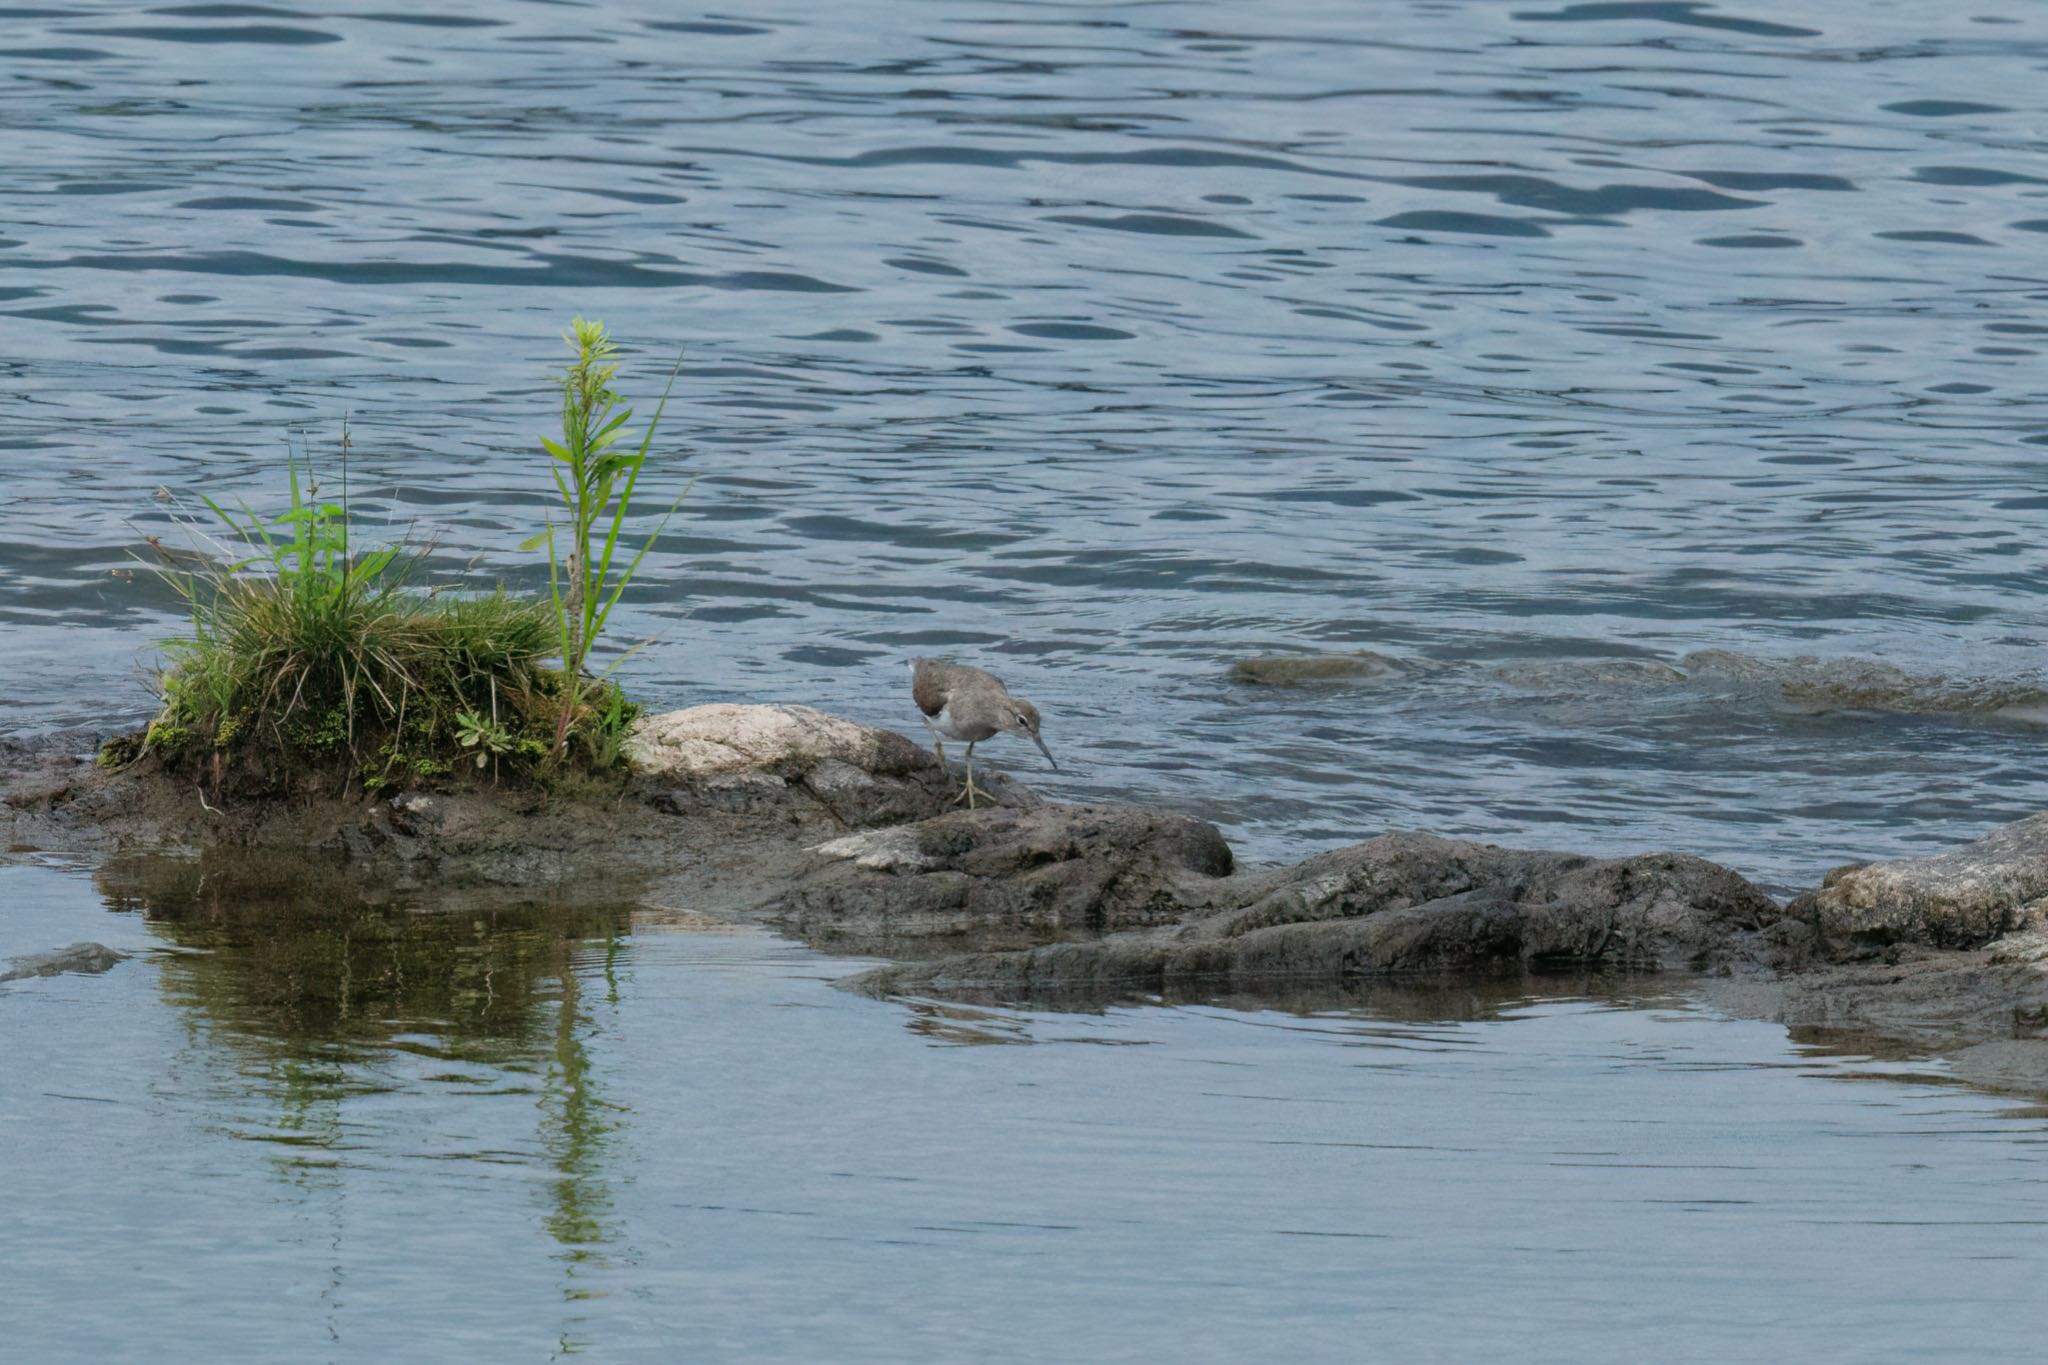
[(382, 1136), (1105, 344)]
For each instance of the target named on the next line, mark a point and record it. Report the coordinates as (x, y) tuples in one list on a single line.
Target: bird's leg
[(938, 747), (970, 791)]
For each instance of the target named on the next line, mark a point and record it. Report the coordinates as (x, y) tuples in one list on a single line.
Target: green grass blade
[(626, 495), (645, 546)]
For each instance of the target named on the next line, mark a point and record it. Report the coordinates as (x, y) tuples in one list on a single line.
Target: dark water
[(334, 1135), (1538, 345), (1106, 344)]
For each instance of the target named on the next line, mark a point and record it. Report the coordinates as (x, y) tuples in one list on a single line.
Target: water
[(1105, 345), (308, 1133)]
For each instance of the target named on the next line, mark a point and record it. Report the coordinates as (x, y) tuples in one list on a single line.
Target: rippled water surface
[(375, 1136), (1107, 344)]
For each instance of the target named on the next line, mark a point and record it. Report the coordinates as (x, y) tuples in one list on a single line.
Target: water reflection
[(982, 1016), (315, 1009), (577, 1126)]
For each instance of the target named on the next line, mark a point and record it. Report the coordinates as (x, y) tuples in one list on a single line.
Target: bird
[(959, 702)]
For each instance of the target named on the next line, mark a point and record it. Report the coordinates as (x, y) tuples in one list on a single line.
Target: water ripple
[(1109, 346)]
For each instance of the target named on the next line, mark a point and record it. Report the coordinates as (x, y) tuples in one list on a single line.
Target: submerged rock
[(84, 958), (1577, 675), (1855, 684), (1008, 876), (1296, 670), (1401, 903), (1960, 899)]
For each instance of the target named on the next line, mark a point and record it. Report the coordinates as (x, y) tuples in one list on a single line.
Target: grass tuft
[(307, 658), (305, 661)]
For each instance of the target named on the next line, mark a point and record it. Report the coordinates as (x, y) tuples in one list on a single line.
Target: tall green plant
[(596, 474)]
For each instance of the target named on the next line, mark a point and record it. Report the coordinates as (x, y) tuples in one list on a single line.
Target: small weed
[(488, 738)]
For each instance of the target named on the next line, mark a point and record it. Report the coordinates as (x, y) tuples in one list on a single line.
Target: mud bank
[(849, 838)]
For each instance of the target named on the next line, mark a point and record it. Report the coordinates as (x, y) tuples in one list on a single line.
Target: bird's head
[(1020, 717)]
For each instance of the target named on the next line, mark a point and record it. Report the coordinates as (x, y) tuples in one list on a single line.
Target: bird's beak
[(1047, 752)]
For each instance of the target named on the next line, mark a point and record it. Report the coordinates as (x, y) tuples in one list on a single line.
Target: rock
[(1295, 670), (1929, 998), (1008, 876), (84, 958), (1959, 899), (1398, 903), (755, 760), (727, 738)]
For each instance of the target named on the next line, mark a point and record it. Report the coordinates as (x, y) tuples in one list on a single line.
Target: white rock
[(729, 738)]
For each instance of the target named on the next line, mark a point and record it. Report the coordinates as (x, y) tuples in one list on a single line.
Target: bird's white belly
[(946, 724)]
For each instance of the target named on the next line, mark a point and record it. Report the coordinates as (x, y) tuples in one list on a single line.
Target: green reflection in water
[(576, 1126), (315, 997)]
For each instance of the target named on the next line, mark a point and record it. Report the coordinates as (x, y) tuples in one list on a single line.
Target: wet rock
[(1401, 903), (1959, 899), (1925, 997), (83, 958), (1008, 876), (1297, 670)]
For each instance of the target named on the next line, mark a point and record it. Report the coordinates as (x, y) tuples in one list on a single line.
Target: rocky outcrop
[(1960, 899), (1009, 876), (1401, 903), (746, 788), (850, 837)]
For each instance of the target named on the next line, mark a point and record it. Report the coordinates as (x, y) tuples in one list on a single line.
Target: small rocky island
[(847, 837)]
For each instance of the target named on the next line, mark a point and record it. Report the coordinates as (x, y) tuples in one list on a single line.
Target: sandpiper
[(959, 702)]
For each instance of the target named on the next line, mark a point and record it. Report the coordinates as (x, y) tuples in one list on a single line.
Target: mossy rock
[(121, 750)]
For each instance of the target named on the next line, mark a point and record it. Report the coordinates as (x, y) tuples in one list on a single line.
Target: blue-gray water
[(386, 1137), (1105, 345)]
